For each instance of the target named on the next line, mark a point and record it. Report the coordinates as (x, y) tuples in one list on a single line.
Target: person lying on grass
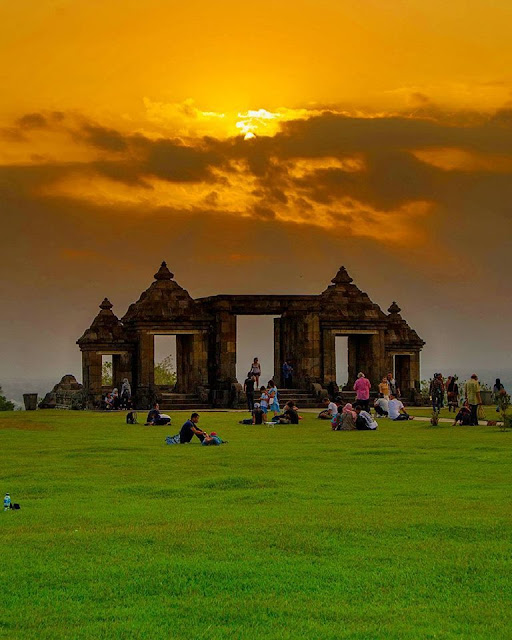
[(157, 418), (212, 440)]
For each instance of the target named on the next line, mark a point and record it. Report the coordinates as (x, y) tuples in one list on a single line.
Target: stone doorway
[(342, 373), (255, 337)]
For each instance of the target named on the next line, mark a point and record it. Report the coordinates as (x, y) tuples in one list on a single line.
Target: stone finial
[(163, 273), (342, 277), (394, 308), (106, 305)]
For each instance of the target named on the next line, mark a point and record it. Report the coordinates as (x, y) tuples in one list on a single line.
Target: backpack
[(131, 417)]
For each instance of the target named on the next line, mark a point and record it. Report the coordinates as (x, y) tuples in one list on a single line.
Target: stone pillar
[(416, 370), (279, 357), (121, 368), (328, 356), (191, 361), (304, 343), (146, 360), (200, 358), (183, 363), (91, 371), (91, 376), (377, 360), (225, 349)]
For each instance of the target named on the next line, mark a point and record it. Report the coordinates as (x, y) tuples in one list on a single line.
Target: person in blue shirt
[(287, 375)]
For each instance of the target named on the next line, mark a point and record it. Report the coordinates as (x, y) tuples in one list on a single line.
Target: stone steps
[(181, 402)]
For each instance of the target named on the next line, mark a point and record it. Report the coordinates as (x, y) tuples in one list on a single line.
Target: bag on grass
[(131, 417)]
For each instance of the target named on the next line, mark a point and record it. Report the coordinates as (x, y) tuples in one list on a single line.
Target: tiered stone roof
[(344, 298), (164, 301), (105, 328), (399, 331)]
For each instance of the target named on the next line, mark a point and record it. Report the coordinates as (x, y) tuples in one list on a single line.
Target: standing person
[(126, 394), (396, 409), (393, 389), (472, 393), (452, 393), (273, 397), (437, 392), (287, 375), (256, 370), (264, 400), (249, 390), (498, 391), (384, 389), (362, 388)]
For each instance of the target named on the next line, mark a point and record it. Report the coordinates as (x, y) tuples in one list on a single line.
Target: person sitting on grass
[(108, 401), (381, 406), (331, 409), (463, 416), (396, 410), (156, 418), (257, 416), (364, 421), (345, 420), (289, 415), (190, 429)]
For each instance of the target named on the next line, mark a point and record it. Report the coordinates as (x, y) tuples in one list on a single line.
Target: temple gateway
[(205, 330)]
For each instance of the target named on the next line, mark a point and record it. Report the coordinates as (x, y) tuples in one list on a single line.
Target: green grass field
[(286, 532)]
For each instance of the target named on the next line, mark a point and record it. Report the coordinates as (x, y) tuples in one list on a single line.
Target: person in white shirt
[(381, 406), (331, 409), (396, 410), (364, 421)]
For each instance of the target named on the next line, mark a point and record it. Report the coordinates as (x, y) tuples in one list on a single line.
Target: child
[(264, 400), (212, 440)]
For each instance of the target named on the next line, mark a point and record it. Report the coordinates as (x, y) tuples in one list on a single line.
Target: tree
[(106, 374), (5, 405), (164, 372)]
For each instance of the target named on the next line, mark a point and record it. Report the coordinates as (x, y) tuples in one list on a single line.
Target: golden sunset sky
[(256, 147)]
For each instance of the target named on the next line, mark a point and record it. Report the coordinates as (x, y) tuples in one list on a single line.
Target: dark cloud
[(32, 121), (103, 138)]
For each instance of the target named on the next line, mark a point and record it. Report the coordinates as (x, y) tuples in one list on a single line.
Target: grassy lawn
[(286, 532)]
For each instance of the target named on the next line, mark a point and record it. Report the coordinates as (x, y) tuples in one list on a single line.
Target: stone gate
[(205, 330)]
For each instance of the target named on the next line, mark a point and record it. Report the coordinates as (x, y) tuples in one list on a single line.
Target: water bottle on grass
[(7, 502)]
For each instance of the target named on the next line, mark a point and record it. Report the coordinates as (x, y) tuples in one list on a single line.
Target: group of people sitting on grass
[(114, 400), (290, 415)]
